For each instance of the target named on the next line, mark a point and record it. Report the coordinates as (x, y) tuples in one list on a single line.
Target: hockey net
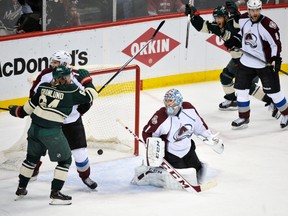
[(120, 99)]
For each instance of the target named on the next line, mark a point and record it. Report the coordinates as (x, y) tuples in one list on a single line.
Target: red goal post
[(120, 99)]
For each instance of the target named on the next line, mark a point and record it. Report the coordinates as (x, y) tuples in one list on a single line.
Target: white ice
[(252, 172)]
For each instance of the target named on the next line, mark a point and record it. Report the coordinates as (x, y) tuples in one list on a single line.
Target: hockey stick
[(1, 108), (284, 72), (133, 57), (187, 29), (173, 172)]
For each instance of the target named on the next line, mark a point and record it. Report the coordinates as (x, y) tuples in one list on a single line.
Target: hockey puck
[(100, 152)]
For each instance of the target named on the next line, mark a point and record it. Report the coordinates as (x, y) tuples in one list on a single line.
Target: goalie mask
[(63, 57), (173, 101)]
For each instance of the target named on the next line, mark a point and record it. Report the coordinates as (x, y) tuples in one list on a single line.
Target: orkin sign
[(217, 41), (160, 46)]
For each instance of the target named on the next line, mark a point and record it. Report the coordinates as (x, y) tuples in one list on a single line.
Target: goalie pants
[(190, 160)]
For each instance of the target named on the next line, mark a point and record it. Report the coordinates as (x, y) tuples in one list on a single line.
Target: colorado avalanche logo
[(272, 25), (183, 132), (154, 119), (251, 40)]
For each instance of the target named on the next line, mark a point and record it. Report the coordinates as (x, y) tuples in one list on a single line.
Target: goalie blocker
[(155, 151)]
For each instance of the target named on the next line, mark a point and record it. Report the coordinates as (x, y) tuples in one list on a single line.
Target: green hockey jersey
[(49, 106)]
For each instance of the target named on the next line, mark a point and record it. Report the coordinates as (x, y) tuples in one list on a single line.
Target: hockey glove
[(231, 7), (17, 111), (233, 42), (276, 63), (83, 108), (190, 10), (212, 140), (83, 76)]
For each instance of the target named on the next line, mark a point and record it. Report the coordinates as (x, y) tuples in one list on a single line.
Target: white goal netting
[(118, 100)]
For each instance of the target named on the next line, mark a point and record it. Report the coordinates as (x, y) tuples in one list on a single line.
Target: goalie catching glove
[(212, 140)]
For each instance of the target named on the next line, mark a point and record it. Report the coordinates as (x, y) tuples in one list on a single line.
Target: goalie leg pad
[(157, 176), (189, 174), (155, 151)]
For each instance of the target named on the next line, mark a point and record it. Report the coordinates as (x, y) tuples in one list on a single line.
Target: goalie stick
[(133, 57), (173, 172)]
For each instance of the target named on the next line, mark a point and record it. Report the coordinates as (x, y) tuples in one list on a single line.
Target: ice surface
[(252, 172)]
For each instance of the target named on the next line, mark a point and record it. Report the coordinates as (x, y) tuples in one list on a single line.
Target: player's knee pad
[(226, 78), (80, 154), (155, 151), (27, 168), (242, 95)]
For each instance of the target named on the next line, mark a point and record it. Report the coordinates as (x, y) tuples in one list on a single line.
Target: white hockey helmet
[(254, 4), (63, 57), (173, 101)]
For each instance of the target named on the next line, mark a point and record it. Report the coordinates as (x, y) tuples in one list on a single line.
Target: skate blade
[(240, 127), (60, 202), (228, 109), (19, 197)]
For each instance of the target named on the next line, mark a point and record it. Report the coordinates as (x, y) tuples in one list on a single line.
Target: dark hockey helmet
[(220, 11), (60, 72)]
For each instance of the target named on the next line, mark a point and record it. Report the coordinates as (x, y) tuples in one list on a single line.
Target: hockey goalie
[(168, 138)]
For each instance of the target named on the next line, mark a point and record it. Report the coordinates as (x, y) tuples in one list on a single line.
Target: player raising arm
[(225, 25), (48, 108), (261, 57)]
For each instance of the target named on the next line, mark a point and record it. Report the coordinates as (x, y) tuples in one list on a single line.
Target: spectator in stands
[(156, 7), (10, 11), (29, 20), (131, 9), (62, 13)]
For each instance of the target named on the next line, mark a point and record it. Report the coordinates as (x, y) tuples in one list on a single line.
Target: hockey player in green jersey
[(48, 108)]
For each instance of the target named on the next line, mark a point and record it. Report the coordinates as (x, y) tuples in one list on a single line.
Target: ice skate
[(57, 198), (90, 183), (21, 192), (240, 123), (284, 121), (228, 105)]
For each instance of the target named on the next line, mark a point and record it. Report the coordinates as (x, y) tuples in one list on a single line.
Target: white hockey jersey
[(261, 39), (176, 131)]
